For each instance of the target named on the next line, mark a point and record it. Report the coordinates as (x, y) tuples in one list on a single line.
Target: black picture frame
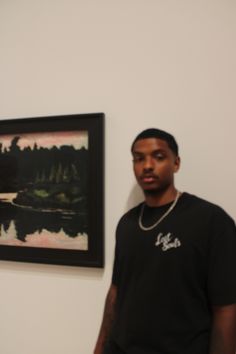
[(70, 187)]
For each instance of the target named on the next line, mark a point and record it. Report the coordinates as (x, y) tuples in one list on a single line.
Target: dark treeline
[(20, 169)]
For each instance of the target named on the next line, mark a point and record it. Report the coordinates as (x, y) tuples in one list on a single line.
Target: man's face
[(154, 164)]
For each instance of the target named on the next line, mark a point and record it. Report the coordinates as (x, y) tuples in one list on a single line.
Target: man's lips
[(148, 178)]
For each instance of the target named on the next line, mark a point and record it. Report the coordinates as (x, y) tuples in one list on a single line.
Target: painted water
[(29, 227)]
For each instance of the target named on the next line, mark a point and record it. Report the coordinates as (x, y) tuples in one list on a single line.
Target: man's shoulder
[(130, 216), (199, 201), (204, 206), (133, 212)]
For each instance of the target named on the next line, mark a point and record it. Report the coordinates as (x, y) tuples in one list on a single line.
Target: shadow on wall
[(135, 197)]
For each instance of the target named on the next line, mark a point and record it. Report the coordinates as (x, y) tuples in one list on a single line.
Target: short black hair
[(158, 134)]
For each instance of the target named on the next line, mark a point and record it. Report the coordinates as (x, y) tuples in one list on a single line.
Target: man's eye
[(138, 158), (159, 157)]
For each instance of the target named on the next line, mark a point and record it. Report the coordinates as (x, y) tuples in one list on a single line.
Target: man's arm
[(223, 338), (108, 318)]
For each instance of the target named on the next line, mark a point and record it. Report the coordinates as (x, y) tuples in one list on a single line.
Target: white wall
[(145, 63)]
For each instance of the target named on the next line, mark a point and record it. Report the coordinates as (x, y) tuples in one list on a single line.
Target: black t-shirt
[(168, 278)]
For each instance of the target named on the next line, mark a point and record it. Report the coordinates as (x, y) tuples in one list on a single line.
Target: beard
[(152, 192), (156, 190)]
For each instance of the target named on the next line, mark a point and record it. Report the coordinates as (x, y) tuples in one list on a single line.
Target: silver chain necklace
[(147, 228)]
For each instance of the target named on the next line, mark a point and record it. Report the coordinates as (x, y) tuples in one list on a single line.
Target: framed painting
[(51, 189)]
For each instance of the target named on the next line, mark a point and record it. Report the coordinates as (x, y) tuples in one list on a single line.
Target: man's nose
[(148, 164)]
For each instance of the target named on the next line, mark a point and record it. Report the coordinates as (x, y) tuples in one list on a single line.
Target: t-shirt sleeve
[(116, 263), (115, 273), (222, 260)]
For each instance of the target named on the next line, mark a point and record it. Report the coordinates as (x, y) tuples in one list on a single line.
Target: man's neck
[(160, 197)]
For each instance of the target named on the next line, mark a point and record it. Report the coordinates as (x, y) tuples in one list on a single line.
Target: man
[(173, 287)]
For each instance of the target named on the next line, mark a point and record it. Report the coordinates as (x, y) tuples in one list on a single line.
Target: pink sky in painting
[(77, 139)]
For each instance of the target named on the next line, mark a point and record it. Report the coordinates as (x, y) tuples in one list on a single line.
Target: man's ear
[(177, 164)]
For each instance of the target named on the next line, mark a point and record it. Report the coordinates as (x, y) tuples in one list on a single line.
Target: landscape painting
[(45, 200), (44, 180)]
